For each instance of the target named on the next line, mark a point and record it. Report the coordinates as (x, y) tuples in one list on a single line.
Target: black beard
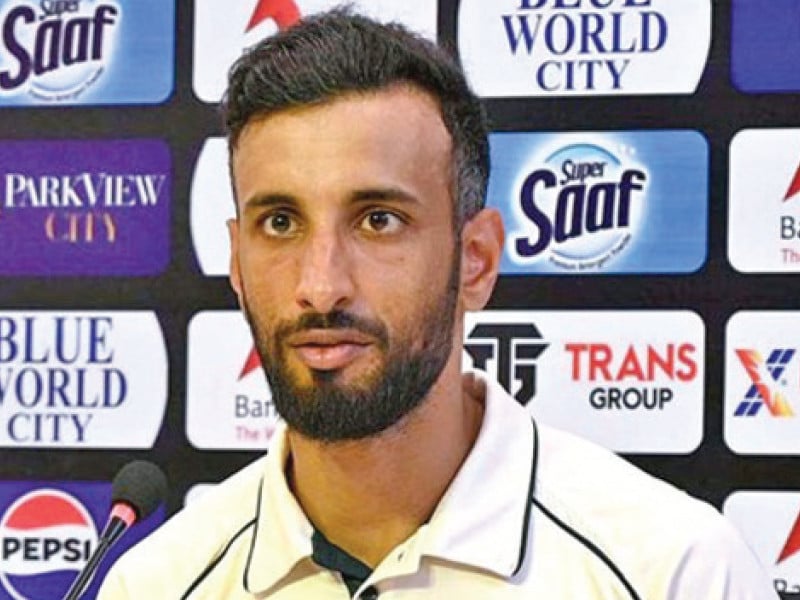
[(330, 412)]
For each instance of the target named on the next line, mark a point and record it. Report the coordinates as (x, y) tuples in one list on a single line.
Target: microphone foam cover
[(142, 485)]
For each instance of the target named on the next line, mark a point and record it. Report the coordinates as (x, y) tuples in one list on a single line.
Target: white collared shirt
[(533, 513)]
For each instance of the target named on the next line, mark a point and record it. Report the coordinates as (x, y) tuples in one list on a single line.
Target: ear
[(481, 248), (235, 276)]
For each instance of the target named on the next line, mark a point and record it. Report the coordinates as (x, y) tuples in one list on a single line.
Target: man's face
[(345, 260)]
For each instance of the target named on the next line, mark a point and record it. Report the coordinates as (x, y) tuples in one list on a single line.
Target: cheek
[(265, 274), (407, 295), (260, 301)]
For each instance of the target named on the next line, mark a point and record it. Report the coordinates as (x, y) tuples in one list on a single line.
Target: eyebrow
[(383, 193), (269, 199), (360, 196)]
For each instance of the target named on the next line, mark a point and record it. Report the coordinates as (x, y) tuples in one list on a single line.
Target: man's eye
[(381, 221), (279, 224)]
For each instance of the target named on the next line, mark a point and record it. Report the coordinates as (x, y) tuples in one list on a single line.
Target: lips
[(329, 349)]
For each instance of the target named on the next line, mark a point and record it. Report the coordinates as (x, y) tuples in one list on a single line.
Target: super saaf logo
[(86, 52), (588, 203), (584, 47), (48, 531)]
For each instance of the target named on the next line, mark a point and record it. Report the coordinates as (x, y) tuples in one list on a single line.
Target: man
[(359, 160)]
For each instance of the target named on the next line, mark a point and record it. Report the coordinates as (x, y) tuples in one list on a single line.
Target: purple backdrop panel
[(75, 207)]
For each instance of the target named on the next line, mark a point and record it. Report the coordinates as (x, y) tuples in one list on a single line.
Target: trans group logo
[(769, 521), (81, 379), (48, 531), (762, 382), (86, 52), (228, 403), (629, 380), (765, 46), (85, 207), (764, 202), (584, 47), (222, 30), (589, 203)]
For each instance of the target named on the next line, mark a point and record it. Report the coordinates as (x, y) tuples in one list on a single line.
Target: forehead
[(394, 136)]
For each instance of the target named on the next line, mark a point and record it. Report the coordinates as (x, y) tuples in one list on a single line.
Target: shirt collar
[(282, 536), (487, 502), (482, 520)]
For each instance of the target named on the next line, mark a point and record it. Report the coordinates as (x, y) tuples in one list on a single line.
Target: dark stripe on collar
[(216, 561), (592, 547), (246, 575), (531, 485), (330, 556)]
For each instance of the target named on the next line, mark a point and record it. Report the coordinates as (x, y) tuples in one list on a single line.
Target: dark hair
[(330, 54)]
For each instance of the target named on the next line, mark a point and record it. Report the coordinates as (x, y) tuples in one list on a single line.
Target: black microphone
[(136, 491)]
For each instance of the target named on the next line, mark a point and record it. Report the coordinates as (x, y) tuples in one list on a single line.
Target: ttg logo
[(766, 382), (515, 348)]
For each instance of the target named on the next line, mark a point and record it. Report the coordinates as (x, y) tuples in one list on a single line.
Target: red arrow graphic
[(284, 12), (252, 362), (792, 544)]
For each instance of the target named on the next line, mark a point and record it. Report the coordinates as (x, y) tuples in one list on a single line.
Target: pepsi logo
[(46, 537)]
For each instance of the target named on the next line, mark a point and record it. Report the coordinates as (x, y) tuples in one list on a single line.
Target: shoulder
[(569, 467), (184, 547), (655, 534)]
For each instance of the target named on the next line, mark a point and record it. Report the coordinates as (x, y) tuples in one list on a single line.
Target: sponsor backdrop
[(646, 161)]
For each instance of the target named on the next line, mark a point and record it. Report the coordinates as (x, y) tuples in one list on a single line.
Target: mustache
[(336, 319)]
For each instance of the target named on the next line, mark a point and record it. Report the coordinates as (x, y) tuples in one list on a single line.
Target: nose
[(326, 281)]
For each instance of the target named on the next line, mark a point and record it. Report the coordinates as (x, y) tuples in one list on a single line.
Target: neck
[(367, 496)]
